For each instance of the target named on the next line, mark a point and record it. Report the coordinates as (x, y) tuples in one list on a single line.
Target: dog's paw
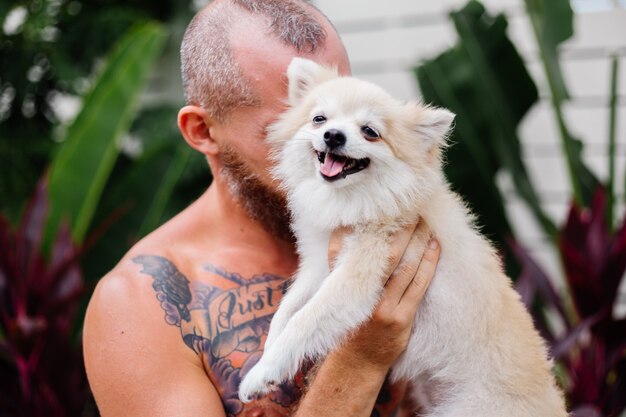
[(260, 380)]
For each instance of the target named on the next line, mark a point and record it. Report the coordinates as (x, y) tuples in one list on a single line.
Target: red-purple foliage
[(591, 350), (41, 367)]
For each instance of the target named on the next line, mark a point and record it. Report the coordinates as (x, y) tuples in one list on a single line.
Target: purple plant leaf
[(534, 280), (616, 391), (31, 230), (32, 277), (63, 251), (597, 240), (593, 260), (64, 264), (41, 371), (5, 238), (567, 342), (586, 379), (586, 288), (575, 229), (586, 411), (5, 264), (64, 308), (12, 287), (615, 336), (615, 266), (607, 256), (71, 284), (527, 289)]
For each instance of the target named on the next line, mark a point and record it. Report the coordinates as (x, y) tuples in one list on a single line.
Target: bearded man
[(172, 329)]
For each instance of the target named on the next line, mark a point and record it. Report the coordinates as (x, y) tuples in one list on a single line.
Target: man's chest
[(224, 318), (234, 313)]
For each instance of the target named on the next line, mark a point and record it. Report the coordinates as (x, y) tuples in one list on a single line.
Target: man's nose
[(334, 138)]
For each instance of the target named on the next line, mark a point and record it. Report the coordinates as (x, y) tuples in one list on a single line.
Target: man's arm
[(136, 363), (350, 378)]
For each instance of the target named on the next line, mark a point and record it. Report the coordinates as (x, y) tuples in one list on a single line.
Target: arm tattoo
[(226, 326), (168, 283)]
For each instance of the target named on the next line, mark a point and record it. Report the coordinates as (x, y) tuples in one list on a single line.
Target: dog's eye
[(370, 132), (318, 120)]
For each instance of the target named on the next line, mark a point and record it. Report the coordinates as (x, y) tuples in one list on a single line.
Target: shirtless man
[(171, 330)]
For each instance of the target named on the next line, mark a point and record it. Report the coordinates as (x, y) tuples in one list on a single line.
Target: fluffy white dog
[(349, 154)]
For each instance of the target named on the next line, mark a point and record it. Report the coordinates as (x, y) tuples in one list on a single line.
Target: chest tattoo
[(226, 327)]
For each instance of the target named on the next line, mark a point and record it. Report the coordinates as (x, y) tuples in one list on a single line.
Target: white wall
[(386, 39)]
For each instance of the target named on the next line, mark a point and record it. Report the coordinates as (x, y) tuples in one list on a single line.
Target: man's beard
[(259, 201)]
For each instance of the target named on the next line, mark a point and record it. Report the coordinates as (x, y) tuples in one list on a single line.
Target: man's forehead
[(267, 78), (260, 53)]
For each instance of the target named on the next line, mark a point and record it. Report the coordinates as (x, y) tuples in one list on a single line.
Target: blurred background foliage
[(76, 118), (53, 52), (484, 80)]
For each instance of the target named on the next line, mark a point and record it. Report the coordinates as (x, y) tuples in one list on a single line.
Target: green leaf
[(552, 22), (470, 163), (497, 66), (165, 178), (484, 81), (82, 166)]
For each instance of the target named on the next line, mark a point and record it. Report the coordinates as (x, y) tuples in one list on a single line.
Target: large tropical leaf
[(484, 81), (501, 72), (470, 165), (149, 189), (552, 22), (82, 166)]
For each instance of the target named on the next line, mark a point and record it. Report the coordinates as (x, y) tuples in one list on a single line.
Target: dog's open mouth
[(334, 167)]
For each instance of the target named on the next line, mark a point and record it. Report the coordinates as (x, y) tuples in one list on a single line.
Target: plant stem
[(557, 99), (612, 136)]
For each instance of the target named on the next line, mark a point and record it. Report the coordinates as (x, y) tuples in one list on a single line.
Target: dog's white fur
[(473, 351)]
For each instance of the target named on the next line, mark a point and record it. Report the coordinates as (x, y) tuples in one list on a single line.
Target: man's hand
[(354, 373), (412, 263)]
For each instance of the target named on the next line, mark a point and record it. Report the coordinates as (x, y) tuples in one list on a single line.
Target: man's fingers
[(398, 245), (403, 274), (416, 290)]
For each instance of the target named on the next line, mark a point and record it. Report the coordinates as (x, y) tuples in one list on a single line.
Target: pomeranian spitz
[(348, 154)]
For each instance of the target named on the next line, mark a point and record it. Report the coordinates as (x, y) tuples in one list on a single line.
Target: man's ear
[(195, 126), (431, 123), (303, 75)]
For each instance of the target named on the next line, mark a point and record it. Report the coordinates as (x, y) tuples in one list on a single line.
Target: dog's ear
[(303, 75), (431, 123)]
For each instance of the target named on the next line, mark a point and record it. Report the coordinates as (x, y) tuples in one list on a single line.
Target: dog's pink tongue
[(333, 164)]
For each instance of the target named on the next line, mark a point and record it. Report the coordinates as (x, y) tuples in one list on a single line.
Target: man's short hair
[(211, 77)]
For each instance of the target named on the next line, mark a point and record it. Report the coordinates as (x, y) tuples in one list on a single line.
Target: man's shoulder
[(126, 279), (139, 305), (160, 252), (121, 295), (132, 337)]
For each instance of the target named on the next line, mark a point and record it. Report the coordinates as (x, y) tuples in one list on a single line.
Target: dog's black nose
[(334, 138)]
